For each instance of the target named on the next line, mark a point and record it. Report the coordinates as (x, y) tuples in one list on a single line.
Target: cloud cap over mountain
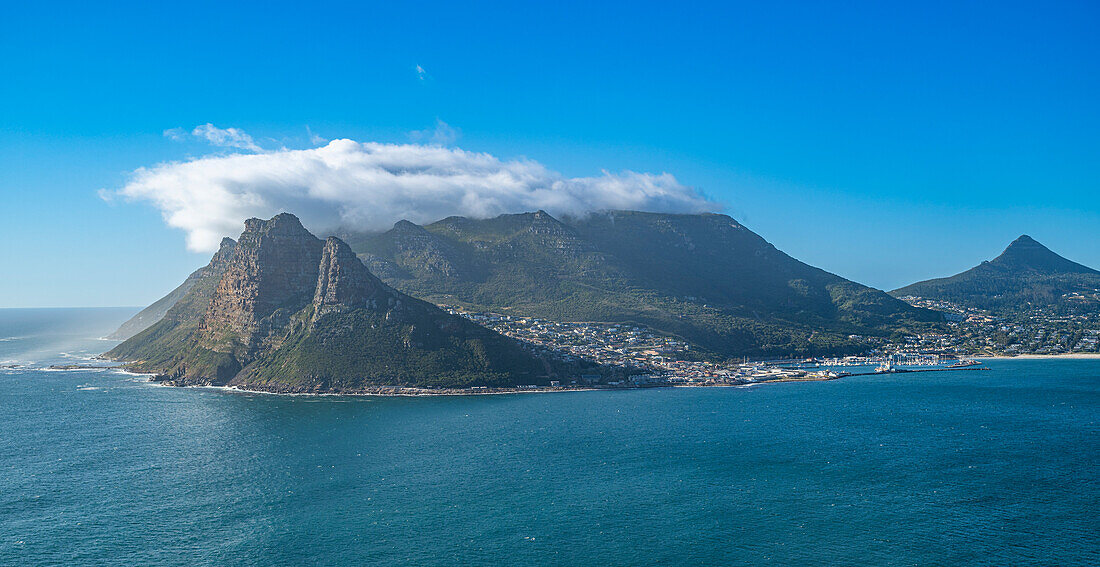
[(369, 186)]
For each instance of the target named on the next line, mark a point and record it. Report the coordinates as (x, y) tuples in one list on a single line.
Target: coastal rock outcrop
[(272, 272), (293, 313), (344, 281)]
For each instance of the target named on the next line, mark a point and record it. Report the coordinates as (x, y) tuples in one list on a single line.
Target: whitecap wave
[(125, 372)]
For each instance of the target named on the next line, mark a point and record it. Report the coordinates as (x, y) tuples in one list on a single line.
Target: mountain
[(155, 312), (1025, 274), (702, 277), (292, 313)]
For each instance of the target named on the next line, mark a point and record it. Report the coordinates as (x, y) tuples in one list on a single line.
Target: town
[(1028, 331), (662, 360)]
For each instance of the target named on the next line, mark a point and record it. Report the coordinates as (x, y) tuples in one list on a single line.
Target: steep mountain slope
[(293, 313), (703, 277), (1025, 274), (155, 312)]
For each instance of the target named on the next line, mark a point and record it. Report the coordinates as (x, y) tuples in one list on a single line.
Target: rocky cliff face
[(272, 273), (291, 313), (430, 253), (151, 315), (553, 234), (344, 281)]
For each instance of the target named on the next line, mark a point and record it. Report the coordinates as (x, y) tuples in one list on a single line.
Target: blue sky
[(884, 142)]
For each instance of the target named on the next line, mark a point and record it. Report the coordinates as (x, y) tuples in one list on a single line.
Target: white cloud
[(442, 135), (369, 186), (421, 73), (314, 138), (175, 134), (226, 137)]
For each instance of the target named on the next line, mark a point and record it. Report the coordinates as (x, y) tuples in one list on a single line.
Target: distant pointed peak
[(285, 220), (407, 226), (1026, 243), (334, 244), (542, 217), (1026, 253), (343, 278), (282, 222), (542, 223)]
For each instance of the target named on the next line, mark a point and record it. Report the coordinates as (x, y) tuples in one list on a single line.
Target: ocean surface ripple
[(98, 467)]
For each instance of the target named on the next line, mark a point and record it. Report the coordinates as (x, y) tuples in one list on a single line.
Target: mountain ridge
[(293, 313), (703, 277), (1025, 273)]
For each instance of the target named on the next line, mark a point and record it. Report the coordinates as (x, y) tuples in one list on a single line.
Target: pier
[(909, 370)]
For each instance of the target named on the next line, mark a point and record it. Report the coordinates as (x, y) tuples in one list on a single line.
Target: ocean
[(98, 467)]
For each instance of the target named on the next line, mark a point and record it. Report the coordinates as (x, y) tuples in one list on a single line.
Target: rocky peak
[(253, 224), (273, 268), (434, 255), (1027, 254), (405, 233), (219, 261), (343, 279), (543, 223), (407, 226), (552, 233), (225, 251), (1024, 246), (282, 223)]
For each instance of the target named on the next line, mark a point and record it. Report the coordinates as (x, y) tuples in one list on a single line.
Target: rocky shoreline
[(382, 391), (288, 312), (405, 391)]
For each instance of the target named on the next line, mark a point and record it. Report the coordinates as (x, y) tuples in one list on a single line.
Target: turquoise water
[(952, 468)]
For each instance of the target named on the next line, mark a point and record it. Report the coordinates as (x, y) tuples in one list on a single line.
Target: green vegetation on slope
[(255, 324), (348, 350), (1025, 275), (152, 314), (704, 278)]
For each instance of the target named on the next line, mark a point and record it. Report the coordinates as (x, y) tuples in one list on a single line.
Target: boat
[(888, 368)]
